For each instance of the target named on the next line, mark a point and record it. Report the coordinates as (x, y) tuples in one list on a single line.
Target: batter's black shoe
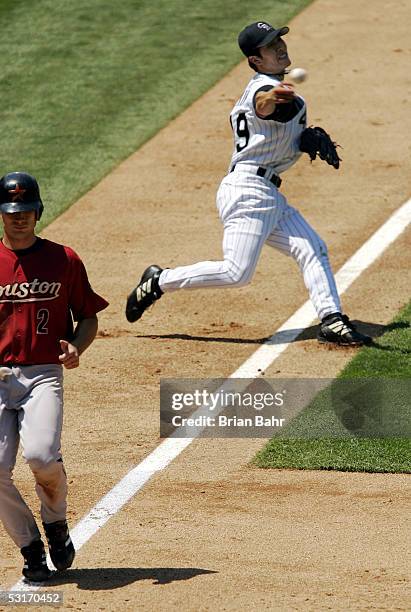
[(35, 565), (61, 547), (145, 294), (337, 329)]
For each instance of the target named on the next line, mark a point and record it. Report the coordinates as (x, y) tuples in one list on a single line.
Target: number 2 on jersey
[(42, 320)]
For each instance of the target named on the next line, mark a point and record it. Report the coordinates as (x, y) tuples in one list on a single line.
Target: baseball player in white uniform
[(269, 127)]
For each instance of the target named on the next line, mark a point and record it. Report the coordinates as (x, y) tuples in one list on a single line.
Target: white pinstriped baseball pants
[(255, 213)]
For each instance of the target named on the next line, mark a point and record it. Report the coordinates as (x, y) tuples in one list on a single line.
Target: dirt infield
[(210, 532)]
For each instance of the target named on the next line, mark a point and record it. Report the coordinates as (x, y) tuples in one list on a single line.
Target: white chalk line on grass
[(257, 363)]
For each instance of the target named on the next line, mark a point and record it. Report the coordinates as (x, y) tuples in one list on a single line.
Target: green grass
[(84, 84), (316, 438)]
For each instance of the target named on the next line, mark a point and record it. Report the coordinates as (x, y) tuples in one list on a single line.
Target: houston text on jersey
[(33, 291)]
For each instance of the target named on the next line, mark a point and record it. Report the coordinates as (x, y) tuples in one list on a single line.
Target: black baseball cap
[(258, 34)]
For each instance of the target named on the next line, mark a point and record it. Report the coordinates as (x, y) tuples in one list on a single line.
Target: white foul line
[(259, 361)]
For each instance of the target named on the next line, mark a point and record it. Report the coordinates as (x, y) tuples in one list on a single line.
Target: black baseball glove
[(315, 140)]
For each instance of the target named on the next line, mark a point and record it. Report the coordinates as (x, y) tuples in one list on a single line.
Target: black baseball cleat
[(145, 294), (337, 329), (35, 565), (61, 547)]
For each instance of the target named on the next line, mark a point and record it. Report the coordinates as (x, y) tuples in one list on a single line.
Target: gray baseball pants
[(31, 411)]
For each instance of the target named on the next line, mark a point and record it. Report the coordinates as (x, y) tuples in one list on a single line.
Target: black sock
[(328, 317)]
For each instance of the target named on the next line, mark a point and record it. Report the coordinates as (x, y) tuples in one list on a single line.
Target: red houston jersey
[(42, 289)]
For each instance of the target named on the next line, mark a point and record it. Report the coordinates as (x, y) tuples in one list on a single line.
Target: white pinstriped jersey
[(270, 142)]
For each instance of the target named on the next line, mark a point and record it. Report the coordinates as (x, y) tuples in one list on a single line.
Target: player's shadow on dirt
[(374, 330), (106, 578)]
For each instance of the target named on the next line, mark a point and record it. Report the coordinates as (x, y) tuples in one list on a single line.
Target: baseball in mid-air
[(298, 75)]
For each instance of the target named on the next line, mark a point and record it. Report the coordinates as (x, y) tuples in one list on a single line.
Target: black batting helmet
[(19, 191)]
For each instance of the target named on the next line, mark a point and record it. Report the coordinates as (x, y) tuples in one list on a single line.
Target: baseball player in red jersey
[(43, 288)]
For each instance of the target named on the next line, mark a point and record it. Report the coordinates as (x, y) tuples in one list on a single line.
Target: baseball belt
[(261, 171)]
